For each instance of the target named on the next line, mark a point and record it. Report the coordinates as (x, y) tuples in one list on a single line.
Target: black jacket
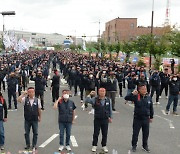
[(143, 106), (55, 81), (111, 85), (131, 83), (40, 83), (12, 82), (164, 78), (174, 87)]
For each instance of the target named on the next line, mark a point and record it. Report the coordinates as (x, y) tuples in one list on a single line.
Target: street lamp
[(4, 13), (84, 45), (152, 20)]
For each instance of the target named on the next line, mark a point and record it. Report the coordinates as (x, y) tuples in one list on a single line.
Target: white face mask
[(66, 96), (175, 79), (91, 76)]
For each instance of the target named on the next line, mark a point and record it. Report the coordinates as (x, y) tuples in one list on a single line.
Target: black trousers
[(103, 126), (120, 88), (164, 86), (124, 83), (73, 83), (19, 90), (137, 125), (40, 93), (82, 88), (55, 93), (112, 96), (157, 89), (172, 69), (10, 95)]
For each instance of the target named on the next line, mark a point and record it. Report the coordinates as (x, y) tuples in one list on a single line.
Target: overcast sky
[(78, 17)]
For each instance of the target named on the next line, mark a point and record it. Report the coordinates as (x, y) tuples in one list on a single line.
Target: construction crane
[(167, 18)]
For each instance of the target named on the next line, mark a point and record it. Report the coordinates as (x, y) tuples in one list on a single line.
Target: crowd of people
[(90, 77)]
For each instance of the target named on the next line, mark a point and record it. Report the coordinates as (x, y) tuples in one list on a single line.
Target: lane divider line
[(73, 141), (169, 121), (49, 140)]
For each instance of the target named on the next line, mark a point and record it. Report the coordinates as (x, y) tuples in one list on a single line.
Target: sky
[(81, 17)]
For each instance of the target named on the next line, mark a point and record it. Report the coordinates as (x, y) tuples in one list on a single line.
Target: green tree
[(111, 48), (103, 47), (128, 48), (175, 43), (1, 45), (72, 47), (158, 47), (117, 48), (58, 47), (141, 45), (79, 46)]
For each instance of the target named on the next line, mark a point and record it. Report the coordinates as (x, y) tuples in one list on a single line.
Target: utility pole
[(152, 20), (99, 37)]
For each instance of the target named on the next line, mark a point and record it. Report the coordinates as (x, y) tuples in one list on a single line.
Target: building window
[(132, 25)]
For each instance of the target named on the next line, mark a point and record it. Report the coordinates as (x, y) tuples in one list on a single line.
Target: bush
[(141, 63)]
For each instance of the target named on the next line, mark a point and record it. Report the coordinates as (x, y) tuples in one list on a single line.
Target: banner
[(167, 61)]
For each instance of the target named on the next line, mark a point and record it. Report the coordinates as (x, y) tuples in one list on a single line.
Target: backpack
[(155, 80)]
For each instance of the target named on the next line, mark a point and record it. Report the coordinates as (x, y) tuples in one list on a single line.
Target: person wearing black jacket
[(155, 85), (55, 86), (143, 115), (142, 80), (132, 82), (90, 85), (111, 88), (172, 65), (40, 83), (73, 79), (164, 82), (102, 117), (2, 75), (12, 83), (120, 77), (83, 81), (174, 91), (3, 118)]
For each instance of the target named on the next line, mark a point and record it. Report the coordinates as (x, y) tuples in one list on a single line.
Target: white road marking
[(73, 141), (169, 121), (48, 140), (50, 70)]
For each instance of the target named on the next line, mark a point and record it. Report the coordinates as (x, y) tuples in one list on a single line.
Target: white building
[(40, 39)]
